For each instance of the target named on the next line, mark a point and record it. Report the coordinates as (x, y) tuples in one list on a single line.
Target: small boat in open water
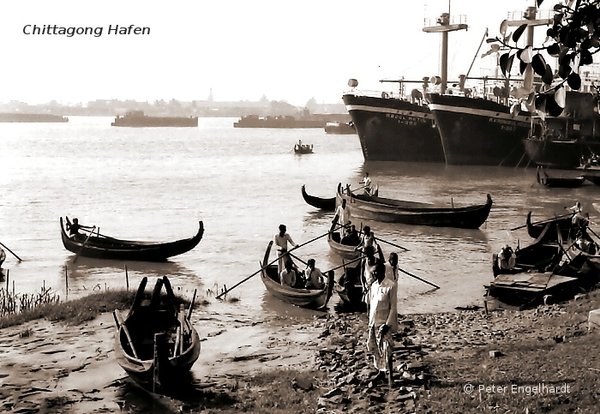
[(562, 182), (305, 298), (99, 246), (156, 343), (300, 148)]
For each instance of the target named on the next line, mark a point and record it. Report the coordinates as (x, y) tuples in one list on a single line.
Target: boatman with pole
[(281, 240)]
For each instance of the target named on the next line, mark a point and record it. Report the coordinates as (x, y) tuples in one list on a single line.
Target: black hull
[(394, 130), (104, 247), (479, 132), (327, 204), (560, 154)]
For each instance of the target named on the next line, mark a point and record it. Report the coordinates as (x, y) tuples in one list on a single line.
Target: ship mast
[(444, 27), (529, 18)]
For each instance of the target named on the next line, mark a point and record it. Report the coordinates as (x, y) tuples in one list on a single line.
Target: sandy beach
[(53, 367)]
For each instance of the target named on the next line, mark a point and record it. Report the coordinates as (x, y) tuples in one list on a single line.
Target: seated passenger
[(289, 275), (506, 258), (351, 238), (314, 277)]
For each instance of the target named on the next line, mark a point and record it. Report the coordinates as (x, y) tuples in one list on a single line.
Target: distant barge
[(286, 121), (138, 119), (19, 117)]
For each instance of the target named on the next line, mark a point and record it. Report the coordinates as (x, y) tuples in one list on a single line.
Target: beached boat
[(558, 182), (303, 148), (93, 244), (139, 119), (334, 239), (350, 289), (411, 212), (327, 204), (305, 298), (156, 343)]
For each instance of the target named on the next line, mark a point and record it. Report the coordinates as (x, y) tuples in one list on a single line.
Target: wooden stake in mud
[(126, 278), (66, 283)]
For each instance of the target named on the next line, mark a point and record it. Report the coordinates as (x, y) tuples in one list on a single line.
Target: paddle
[(418, 278), (13, 253), (268, 264), (344, 264), (391, 244), (544, 221), (84, 243)]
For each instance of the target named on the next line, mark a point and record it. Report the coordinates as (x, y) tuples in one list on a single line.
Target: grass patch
[(74, 311)]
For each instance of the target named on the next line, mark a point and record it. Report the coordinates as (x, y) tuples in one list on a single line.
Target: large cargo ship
[(399, 129), (392, 129), (476, 131), (138, 119), (23, 117)]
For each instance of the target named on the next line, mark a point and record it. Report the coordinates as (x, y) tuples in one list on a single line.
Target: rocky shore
[(468, 361)]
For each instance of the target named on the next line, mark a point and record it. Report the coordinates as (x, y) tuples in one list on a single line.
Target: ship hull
[(479, 132), (394, 130)]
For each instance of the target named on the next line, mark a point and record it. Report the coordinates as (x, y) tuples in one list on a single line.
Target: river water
[(157, 183)]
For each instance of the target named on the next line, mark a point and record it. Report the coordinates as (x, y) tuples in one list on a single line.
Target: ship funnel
[(353, 83)]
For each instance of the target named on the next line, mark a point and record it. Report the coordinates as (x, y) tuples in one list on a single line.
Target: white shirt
[(383, 304), (343, 214)]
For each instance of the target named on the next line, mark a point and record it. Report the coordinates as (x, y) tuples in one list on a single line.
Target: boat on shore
[(334, 239), (562, 224), (350, 289), (416, 213), (327, 204), (93, 244), (305, 298), (156, 343), (139, 119), (25, 117)]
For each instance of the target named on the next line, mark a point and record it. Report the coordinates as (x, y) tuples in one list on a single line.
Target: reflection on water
[(150, 184)]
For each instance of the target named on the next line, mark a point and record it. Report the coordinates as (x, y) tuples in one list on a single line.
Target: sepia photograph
[(260, 206)]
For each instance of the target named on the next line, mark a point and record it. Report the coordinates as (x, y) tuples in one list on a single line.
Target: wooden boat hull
[(349, 288), (327, 204), (563, 223), (303, 149), (304, 298), (407, 212), (345, 251), (156, 365), (559, 182), (104, 247)]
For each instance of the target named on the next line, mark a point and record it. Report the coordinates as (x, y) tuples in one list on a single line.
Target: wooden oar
[(544, 221), (418, 278), (297, 258), (13, 253), (84, 243), (268, 264), (391, 244), (344, 264)]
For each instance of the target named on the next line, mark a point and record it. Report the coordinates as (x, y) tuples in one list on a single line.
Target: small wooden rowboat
[(103, 247), (327, 204), (411, 212), (156, 343), (562, 223), (345, 251), (350, 289), (303, 148), (305, 298)]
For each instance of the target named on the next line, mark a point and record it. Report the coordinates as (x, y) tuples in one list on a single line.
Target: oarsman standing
[(281, 240)]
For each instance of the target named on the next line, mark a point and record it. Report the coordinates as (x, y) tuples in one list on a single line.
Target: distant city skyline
[(72, 51)]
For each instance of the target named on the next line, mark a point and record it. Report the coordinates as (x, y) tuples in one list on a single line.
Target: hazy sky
[(287, 50)]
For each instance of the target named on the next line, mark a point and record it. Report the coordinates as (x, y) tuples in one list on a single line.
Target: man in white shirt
[(383, 316), (367, 184), (343, 214), (281, 240)]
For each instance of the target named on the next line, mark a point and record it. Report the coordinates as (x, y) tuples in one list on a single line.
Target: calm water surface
[(157, 183)]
